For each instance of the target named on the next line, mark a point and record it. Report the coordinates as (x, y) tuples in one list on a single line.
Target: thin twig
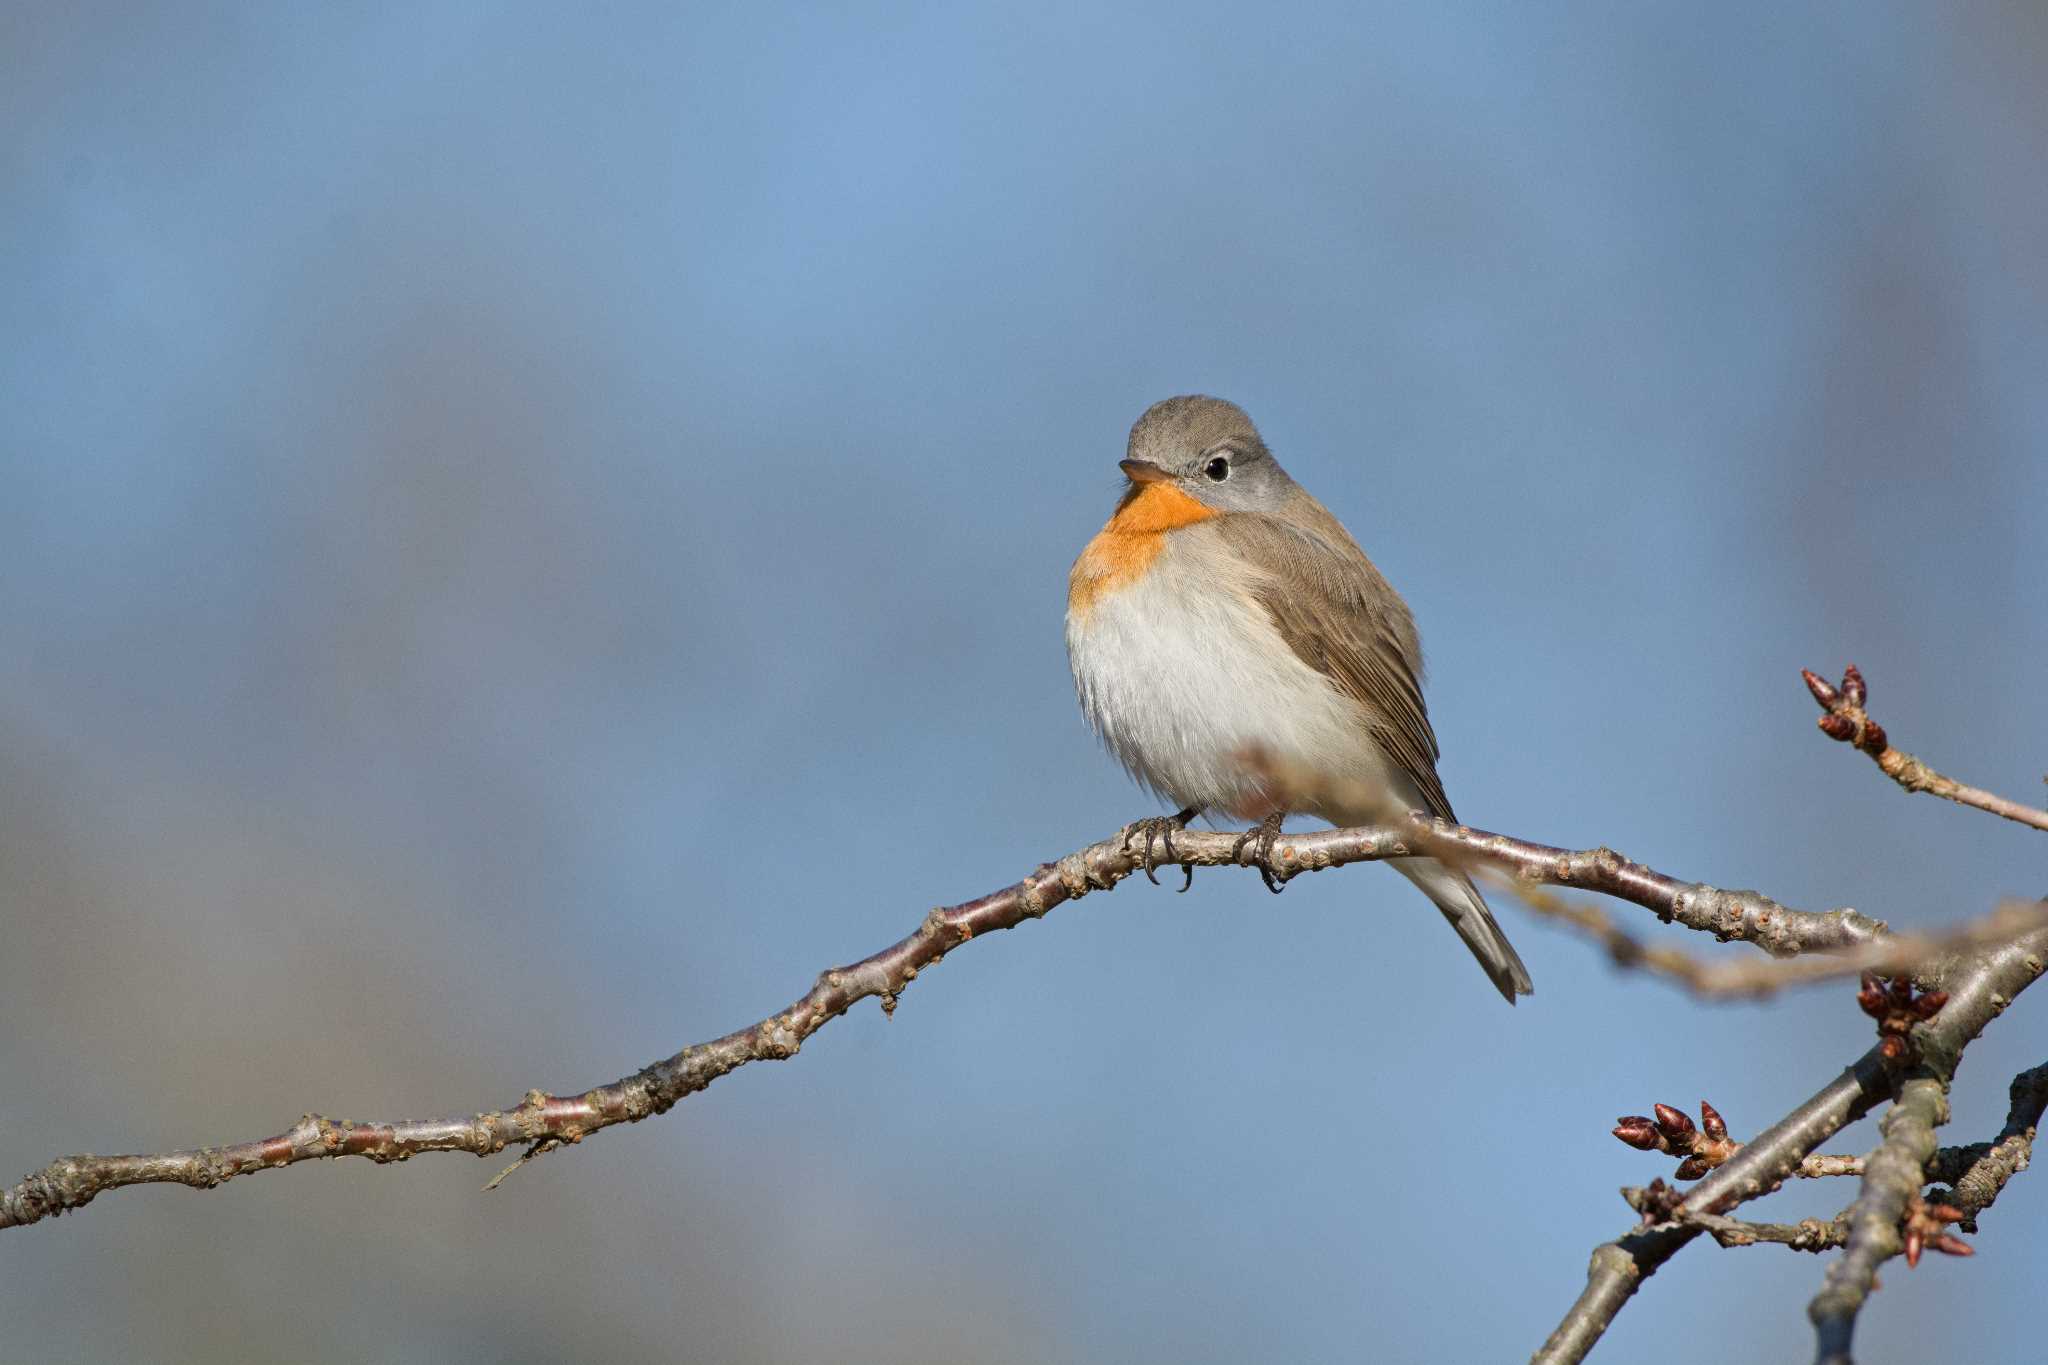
[(1810, 1234), (1847, 720)]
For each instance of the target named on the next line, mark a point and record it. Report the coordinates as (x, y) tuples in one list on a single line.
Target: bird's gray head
[(1210, 450)]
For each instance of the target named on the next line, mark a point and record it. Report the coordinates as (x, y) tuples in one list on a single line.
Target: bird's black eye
[(1217, 469)]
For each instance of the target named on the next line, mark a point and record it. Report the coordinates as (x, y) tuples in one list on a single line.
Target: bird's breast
[(1131, 543), (1181, 671)]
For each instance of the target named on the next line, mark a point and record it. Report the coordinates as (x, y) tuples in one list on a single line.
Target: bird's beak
[(1140, 471)]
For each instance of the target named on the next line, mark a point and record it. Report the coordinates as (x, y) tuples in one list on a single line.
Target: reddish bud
[(1874, 740), (1692, 1168), (1710, 1120), (1673, 1123), (1638, 1132), (1852, 685), (1892, 1048), (1823, 690), (1923, 1228), (1929, 1005), (1837, 727), (1871, 996)]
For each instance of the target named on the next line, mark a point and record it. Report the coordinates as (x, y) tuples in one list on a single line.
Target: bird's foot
[(1157, 831), (1260, 840)]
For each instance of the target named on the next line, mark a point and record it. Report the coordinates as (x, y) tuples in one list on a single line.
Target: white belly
[(1180, 676)]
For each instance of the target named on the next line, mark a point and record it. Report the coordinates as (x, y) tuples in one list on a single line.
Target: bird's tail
[(1467, 911)]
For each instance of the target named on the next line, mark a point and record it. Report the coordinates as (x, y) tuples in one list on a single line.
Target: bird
[(1223, 625)]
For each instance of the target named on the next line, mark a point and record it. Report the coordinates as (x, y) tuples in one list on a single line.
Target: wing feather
[(1341, 617)]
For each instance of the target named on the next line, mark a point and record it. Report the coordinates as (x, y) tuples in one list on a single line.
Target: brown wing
[(1342, 618)]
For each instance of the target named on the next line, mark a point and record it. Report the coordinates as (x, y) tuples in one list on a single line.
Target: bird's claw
[(1157, 832), (1260, 839)]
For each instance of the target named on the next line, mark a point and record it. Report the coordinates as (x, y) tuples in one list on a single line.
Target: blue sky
[(529, 536)]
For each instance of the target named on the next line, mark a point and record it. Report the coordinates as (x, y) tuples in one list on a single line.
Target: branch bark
[(1892, 1177), (1978, 1173), (1809, 1235)]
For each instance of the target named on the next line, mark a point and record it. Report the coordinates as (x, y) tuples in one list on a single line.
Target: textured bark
[(1808, 1235), (1978, 1173), (1892, 1176)]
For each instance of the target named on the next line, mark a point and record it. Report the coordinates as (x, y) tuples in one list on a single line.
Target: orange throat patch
[(1125, 548)]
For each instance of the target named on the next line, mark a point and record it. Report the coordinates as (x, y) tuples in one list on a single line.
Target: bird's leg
[(1158, 830), (1260, 838)]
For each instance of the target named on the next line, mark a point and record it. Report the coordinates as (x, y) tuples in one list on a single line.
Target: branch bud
[(1638, 1132), (1711, 1121), (1673, 1123)]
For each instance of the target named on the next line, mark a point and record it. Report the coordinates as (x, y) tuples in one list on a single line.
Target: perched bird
[(1223, 612)]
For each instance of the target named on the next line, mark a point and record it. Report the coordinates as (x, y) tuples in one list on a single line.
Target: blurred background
[(525, 538)]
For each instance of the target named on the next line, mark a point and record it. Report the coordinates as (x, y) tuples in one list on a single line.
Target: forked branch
[(1979, 983)]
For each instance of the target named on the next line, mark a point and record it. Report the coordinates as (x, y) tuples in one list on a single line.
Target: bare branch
[(1619, 1267), (1885, 954), (1892, 1176), (1809, 1234), (1979, 1172), (1973, 1175), (1847, 720), (1747, 916), (542, 1121), (1980, 984)]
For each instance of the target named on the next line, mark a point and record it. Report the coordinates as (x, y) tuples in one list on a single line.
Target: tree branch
[(1748, 916), (542, 1121), (1978, 1173), (1892, 1177), (1847, 720), (1619, 1267), (1808, 1235), (1750, 978), (1980, 984)]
